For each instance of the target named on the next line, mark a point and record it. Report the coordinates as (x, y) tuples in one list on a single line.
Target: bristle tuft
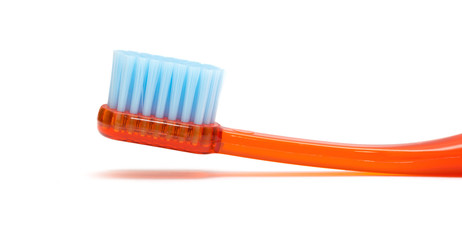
[(164, 87)]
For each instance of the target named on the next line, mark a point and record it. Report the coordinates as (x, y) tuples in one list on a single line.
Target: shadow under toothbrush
[(200, 174)]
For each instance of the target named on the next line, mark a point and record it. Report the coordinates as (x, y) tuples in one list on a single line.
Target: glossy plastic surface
[(159, 132), (441, 157)]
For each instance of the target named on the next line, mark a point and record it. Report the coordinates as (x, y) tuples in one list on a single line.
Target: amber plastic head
[(159, 132)]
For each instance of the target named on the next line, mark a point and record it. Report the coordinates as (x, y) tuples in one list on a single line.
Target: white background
[(346, 71)]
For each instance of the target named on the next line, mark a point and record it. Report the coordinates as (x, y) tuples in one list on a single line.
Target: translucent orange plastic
[(158, 132), (442, 157)]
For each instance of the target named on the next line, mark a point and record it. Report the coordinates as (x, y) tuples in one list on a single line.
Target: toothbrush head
[(162, 101)]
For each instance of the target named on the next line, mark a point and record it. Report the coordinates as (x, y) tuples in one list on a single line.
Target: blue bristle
[(179, 74), (164, 87), (139, 83), (128, 64), (189, 92), (203, 87), (215, 101), (211, 97), (115, 81), (150, 88)]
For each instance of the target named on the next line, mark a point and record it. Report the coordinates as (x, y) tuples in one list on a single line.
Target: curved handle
[(438, 157)]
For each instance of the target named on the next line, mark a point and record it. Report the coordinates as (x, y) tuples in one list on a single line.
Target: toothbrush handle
[(439, 157)]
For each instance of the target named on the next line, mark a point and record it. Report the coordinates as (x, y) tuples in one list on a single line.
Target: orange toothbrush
[(172, 103)]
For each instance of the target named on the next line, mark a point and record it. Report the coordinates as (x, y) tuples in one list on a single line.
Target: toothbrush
[(172, 103)]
